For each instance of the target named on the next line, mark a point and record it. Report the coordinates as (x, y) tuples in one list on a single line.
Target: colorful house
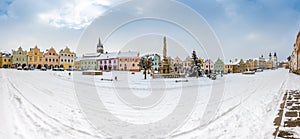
[(156, 61), (219, 66), (51, 59), (77, 65), (178, 65), (187, 63), (19, 58), (89, 61), (295, 57), (35, 58), (128, 61), (66, 58), (251, 65), (208, 66), (108, 62), (6, 60), (237, 66)]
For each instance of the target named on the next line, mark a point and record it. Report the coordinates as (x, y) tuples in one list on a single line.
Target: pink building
[(108, 62), (128, 61), (124, 61), (208, 66)]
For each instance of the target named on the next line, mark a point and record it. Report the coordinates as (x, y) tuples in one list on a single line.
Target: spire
[(275, 55), (270, 55), (100, 47), (99, 43)]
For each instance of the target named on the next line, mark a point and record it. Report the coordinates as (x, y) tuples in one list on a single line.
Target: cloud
[(4, 6), (76, 14)]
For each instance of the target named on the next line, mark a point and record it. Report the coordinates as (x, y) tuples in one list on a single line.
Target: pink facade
[(129, 63), (123, 61), (208, 66), (108, 64)]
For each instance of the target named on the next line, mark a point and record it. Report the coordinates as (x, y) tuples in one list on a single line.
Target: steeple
[(275, 55), (100, 48)]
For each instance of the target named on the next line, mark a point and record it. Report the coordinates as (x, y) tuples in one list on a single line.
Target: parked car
[(43, 69), (55, 69), (26, 68), (32, 68), (61, 69), (70, 69), (19, 68), (259, 70)]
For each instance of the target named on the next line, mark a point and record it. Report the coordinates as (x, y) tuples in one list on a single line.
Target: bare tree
[(146, 62)]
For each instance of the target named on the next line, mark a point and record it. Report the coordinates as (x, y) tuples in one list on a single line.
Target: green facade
[(219, 65), (19, 57)]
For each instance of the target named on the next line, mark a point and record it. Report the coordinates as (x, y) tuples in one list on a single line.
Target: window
[(4, 60), (40, 59), (65, 60), (62, 60), (49, 53), (30, 58), (120, 65), (133, 65), (56, 60), (68, 60), (47, 59), (17, 59)]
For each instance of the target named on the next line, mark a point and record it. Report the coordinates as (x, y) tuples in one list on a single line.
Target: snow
[(43, 105)]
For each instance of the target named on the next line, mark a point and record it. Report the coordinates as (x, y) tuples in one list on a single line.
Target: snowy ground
[(36, 104)]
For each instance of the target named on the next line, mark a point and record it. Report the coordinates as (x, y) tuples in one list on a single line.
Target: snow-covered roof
[(128, 54), (108, 55), (233, 63), (91, 55)]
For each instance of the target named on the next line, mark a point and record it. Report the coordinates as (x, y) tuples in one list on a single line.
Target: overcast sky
[(245, 28)]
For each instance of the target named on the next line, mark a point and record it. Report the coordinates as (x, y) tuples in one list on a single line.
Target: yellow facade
[(66, 58), (228, 68), (6, 61), (35, 58)]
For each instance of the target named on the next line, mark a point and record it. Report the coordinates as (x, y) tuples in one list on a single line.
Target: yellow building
[(35, 58), (66, 58), (0, 59), (6, 60)]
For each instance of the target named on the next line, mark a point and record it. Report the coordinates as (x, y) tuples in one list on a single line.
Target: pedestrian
[(69, 73), (116, 78)]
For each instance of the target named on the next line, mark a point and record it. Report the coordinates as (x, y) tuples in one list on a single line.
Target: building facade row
[(35, 58)]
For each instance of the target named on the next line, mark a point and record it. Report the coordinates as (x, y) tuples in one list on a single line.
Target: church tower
[(275, 60), (270, 57), (100, 48)]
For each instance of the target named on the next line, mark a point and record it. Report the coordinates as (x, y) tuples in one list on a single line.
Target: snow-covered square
[(38, 104)]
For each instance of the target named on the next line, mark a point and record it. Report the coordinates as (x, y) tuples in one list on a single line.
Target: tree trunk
[(145, 72)]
